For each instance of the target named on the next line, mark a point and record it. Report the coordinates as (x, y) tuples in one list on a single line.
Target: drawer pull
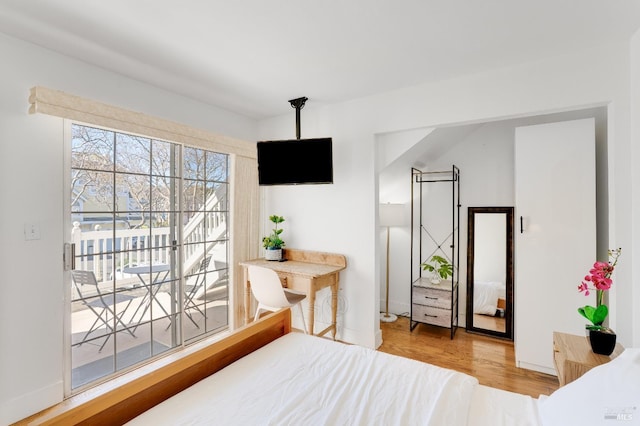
[(432, 298), (431, 316)]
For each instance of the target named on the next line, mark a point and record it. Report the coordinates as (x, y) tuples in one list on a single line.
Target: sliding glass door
[(149, 237)]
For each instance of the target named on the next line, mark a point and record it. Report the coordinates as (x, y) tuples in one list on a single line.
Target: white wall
[(630, 294), (590, 78), (331, 219), (31, 173), (339, 218)]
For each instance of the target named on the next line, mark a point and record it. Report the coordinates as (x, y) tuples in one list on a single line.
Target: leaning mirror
[(490, 271)]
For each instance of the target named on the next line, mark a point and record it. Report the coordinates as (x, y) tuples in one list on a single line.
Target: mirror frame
[(472, 211)]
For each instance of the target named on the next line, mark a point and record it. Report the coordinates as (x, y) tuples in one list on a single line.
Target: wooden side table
[(572, 356)]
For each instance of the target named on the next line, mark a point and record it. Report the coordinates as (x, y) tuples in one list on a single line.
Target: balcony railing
[(105, 254)]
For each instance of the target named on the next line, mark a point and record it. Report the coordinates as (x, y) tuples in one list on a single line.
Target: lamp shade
[(393, 215)]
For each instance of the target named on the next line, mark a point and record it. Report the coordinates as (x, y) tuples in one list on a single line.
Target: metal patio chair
[(101, 304), (204, 283), (195, 289)]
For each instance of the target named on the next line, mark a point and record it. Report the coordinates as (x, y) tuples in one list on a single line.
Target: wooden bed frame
[(121, 403)]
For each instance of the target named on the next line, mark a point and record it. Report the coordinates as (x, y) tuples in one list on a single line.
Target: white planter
[(273, 254)]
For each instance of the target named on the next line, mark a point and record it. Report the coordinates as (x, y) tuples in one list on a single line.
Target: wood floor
[(489, 359)]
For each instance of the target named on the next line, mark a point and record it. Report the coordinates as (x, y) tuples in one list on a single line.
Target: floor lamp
[(390, 215)]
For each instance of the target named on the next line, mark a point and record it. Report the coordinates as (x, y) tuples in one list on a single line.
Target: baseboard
[(538, 368), (397, 308), (26, 405)]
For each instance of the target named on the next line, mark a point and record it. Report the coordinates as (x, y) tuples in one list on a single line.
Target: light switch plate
[(31, 231)]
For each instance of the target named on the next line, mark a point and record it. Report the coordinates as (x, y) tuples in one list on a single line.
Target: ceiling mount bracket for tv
[(298, 104), (313, 158)]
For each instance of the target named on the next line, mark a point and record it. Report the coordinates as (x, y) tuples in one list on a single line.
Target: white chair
[(271, 296)]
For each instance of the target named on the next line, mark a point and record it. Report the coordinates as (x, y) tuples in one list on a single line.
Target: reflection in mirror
[(490, 271)]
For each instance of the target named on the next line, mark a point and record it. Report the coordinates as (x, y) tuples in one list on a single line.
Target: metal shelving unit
[(435, 304)]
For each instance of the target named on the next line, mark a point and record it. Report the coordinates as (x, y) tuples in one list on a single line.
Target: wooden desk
[(572, 356), (306, 271)]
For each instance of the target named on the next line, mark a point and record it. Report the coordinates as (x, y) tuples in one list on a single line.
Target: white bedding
[(606, 395), (492, 407), (486, 295), (305, 380)]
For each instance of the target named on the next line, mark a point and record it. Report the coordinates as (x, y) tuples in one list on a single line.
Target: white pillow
[(606, 395)]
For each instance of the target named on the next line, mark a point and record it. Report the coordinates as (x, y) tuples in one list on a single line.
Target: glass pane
[(164, 158), (131, 350), (192, 195), (91, 192), (217, 316), (216, 196), (190, 330), (133, 193), (194, 163), (133, 154), (91, 149), (164, 194), (217, 167), (163, 338), (161, 242), (196, 234), (206, 296), (89, 364), (215, 226)]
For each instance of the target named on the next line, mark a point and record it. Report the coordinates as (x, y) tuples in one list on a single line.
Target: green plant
[(599, 278), (439, 266), (273, 240)]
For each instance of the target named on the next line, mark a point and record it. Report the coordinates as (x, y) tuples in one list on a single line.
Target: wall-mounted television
[(295, 162)]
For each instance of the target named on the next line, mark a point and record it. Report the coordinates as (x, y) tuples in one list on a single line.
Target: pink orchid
[(584, 287), (599, 279), (603, 283), (601, 269)]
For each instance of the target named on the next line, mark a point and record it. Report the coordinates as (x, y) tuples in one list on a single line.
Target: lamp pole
[(387, 317), (390, 215)]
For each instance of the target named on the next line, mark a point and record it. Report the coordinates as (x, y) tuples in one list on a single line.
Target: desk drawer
[(431, 315), (432, 297), (285, 279)]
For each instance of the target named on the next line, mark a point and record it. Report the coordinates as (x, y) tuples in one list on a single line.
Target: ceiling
[(252, 56)]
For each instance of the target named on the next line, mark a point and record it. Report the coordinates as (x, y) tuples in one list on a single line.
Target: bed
[(488, 296), (265, 375)]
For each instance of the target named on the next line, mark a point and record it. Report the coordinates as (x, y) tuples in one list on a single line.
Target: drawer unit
[(433, 303), (439, 298), (432, 315)]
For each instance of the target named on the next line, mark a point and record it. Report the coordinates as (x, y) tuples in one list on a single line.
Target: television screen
[(295, 162)]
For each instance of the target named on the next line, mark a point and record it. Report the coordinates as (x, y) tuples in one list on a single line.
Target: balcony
[(149, 319), (151, 337)]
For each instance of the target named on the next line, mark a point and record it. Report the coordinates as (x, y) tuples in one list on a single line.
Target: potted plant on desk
[(273, 243)]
